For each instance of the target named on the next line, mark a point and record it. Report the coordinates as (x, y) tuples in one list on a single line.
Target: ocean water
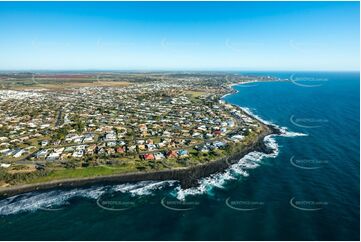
[(308, 189)]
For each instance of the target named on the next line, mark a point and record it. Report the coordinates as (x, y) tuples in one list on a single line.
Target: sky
[(179, 36)]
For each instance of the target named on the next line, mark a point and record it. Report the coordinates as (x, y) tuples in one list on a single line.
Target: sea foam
[(45, 200), (142, 188), (250, 161), (57, 199)]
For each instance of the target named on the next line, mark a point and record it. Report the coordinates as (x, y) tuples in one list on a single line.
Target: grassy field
[(195, 94), (58, 84), (83, 172)]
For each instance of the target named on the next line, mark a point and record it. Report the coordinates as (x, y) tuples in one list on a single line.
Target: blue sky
[(179, 35)]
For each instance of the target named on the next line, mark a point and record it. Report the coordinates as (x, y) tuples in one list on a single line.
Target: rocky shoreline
[(188, 177)]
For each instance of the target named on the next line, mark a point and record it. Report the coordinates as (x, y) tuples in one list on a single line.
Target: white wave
[(235, 171), (249, 112), (250, 161), (45, 200), (34, 201), (207, 184), (57, 198), (142, 188), (286, 133), (284, 130)]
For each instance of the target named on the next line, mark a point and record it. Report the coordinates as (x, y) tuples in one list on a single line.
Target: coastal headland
[(190, 133)]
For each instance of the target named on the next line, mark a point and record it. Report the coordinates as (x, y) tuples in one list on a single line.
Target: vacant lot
[(59, 84)]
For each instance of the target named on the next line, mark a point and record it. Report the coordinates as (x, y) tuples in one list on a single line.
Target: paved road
[(59, 118)]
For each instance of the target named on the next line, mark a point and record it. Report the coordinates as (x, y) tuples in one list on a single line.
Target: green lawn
[(83, 172)]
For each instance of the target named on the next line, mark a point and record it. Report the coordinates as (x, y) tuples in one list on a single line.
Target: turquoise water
[(308, 189)]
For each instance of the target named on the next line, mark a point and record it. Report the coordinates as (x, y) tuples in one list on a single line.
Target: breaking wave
[(250, 161), (284, 130), (236, 171), (142, 188), (58, 199), (46, 200)]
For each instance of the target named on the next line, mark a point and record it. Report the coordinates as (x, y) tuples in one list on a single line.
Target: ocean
[(307, 189)]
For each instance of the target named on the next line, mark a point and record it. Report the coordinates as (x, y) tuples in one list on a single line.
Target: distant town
[(56, 126)]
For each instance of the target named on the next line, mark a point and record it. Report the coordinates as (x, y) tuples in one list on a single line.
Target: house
[(166, 134), (3, 139), (202, 148), (30, 148), (44, 143), (183, 153), (8, 152), (88, 138), (78, 153), (217, 132), (142, 127), (110, 151), (196, 134), (53, 156), (120, 150), (161, 145), (141, 147), (202, 128), (121, 143), (4, 144), (5, 165), (69, 137), (185, 132), (78, 139), (59, 150), (91, 149), (69, 149), (158, 156), (230, 123), (237, 138), (4, 151), (148, 156), (111, 144), (25, 138), (19, 153), (208, 136), (41, 154), (56, 142), (65, 156), (100, 151), (172, 154), (219, 144), (111, 136), (132, 148), (151, 147)]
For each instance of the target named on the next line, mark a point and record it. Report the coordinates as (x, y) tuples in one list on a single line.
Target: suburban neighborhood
[(169, 123)]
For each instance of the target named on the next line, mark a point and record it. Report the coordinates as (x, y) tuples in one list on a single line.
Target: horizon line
[(175, 70)]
